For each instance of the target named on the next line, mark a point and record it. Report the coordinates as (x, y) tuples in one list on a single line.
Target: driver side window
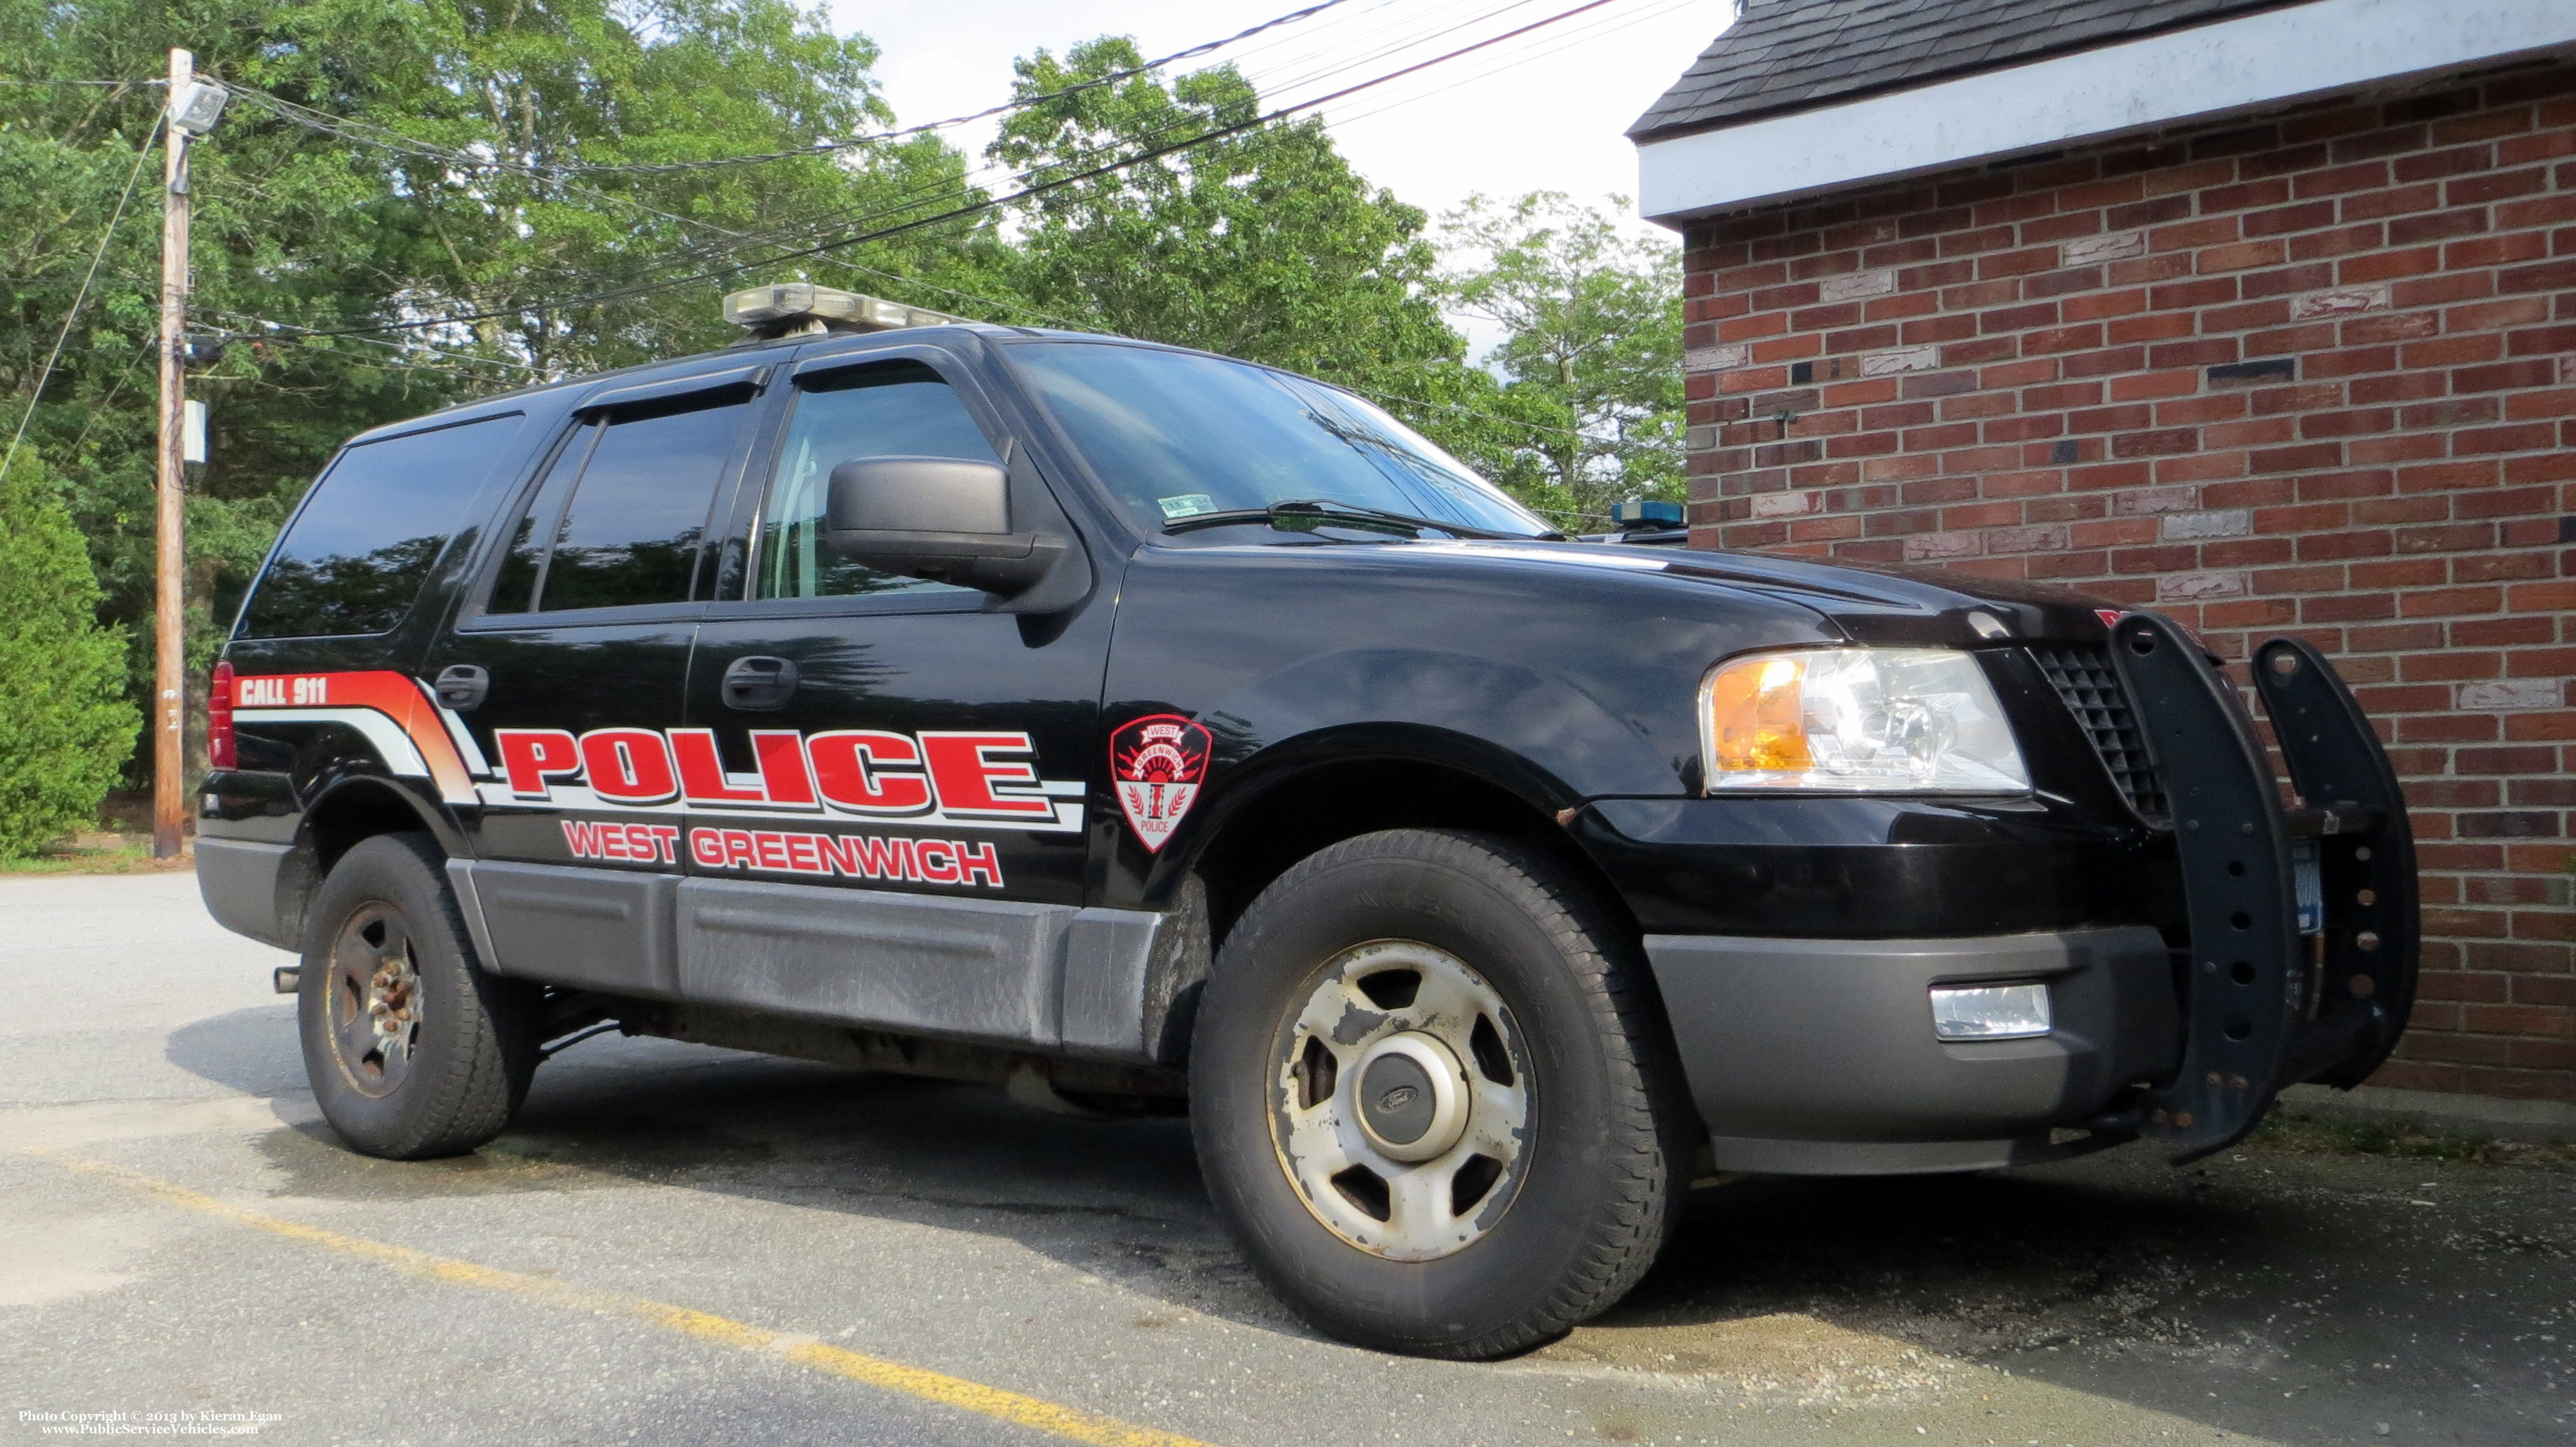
[(898, 409)]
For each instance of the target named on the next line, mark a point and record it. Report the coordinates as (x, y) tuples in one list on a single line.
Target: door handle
[(462, 686), (757, 683)]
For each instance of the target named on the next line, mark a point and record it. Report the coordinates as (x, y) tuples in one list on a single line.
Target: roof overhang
[(2253, 62)]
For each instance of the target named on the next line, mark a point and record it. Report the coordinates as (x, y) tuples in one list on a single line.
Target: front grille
[(2082, 675)]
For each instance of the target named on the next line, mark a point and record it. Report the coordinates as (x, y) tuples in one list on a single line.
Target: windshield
[(1178, 434)]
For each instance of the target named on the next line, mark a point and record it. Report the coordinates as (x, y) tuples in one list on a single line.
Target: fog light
[(1989, 1012)]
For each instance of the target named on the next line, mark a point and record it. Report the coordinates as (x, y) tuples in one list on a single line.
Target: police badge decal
[(1157, 763)]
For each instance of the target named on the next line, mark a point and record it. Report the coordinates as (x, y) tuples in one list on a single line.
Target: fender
[(353, 789), (259, 887), (1283, 764), (1565, 744)]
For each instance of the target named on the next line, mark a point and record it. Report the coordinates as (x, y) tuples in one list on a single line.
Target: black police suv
[(1124, 723)]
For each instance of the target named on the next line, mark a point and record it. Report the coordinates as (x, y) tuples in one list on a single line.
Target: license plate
[(2311, 885)]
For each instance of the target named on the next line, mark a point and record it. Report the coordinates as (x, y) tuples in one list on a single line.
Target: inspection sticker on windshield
[(1188, 504)]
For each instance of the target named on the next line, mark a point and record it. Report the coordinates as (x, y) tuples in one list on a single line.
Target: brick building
[(2261, 314)]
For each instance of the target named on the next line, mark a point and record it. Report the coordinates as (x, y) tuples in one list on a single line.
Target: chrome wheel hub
[(1402, 1096)]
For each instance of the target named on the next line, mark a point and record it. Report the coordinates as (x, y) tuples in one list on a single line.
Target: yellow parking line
[(930, 1386)]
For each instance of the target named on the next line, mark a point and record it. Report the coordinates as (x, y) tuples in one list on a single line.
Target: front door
[(577, 642), (886, 782)]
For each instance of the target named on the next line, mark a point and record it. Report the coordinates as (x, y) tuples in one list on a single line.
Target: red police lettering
[(783, 770), (938, 861), (630, 766), (642, 843), (966, 773), (870, 857), (868, 772), (529, 757), (702, 778)]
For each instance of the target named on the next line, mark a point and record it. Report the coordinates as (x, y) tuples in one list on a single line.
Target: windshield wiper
[(1316, 510)]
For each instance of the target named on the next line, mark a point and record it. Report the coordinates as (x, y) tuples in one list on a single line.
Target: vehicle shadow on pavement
[(2265, 1291)]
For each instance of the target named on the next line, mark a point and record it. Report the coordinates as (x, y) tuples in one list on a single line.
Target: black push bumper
[(2264, 1005), (1818, 1056)]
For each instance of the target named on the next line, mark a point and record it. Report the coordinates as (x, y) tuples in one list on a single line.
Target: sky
[(1546, 111)]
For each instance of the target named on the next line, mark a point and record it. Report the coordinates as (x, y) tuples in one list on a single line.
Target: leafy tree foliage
[(414, 201), (1592, 350), (1262, 244), (436, 186), (65, 724)]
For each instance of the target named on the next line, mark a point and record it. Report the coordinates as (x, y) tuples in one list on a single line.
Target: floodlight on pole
[(197, 105)]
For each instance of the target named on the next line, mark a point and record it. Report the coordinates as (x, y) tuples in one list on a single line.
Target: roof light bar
[(793, 308)]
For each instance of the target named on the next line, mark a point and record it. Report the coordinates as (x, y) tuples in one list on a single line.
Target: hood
[(1873, 603)]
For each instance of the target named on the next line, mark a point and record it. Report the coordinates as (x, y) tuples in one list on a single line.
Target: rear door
[(886, 779), (568, 664)]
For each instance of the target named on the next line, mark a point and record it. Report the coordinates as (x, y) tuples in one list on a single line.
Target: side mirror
[(942, 518)]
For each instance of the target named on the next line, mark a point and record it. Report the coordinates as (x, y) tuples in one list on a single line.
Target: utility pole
[(169, 618), (192, 109)]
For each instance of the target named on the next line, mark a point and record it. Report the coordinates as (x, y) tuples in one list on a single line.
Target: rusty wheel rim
[(1401, 1101), (373, 1000)]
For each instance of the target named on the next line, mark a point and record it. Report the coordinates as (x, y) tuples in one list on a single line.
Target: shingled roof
[(1786, 55)]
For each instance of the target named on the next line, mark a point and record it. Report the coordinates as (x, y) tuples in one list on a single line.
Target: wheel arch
[(1306, 794), (350, 810)]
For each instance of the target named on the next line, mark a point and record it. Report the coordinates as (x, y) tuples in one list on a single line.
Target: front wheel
[(1433, 1098), (413, 1051)]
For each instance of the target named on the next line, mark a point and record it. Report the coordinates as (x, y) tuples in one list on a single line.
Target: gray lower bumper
[(238, 879), (1817, 1056)]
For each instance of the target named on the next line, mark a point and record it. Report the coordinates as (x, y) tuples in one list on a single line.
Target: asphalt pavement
[(683, 1245)]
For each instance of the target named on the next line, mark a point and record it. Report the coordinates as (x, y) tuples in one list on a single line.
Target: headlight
[(1857, 720)]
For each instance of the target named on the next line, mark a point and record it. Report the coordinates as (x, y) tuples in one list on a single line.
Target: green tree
[(1591, 356), (1262, 244), (441, 182), (65, 724)]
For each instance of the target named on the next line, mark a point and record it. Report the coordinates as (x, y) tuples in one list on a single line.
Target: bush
[(65, 724)]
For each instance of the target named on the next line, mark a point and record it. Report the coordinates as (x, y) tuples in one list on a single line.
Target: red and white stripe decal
[(358, 699)]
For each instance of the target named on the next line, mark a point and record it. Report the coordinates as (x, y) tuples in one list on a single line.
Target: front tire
[(1433, 1097), (412, 1050)]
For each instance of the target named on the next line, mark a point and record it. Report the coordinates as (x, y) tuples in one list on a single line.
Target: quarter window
[(900, 409), (358, 551)]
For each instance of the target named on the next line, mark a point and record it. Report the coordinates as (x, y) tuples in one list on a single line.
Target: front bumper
[(1815, 1054), (1818, 1057)]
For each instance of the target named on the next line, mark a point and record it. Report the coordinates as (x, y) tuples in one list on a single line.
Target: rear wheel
[(412, 1050), (1433, 1098)]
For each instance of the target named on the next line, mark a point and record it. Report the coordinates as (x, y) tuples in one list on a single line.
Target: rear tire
[(1536, 1185), (412, 1049)]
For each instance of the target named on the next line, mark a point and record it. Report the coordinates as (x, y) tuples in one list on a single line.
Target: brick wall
[(2315, 375)]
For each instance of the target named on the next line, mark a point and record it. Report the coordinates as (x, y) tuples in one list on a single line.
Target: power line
[(639, 288), (80, 299), (297, 333), (350, 129), (1608, 25), (920, 195), (290, 110)]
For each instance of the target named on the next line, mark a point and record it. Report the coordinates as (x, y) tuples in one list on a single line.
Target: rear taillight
[(220, 752)]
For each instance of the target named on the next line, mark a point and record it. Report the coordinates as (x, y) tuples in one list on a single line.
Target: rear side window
[(355, 556), (622, 512)]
